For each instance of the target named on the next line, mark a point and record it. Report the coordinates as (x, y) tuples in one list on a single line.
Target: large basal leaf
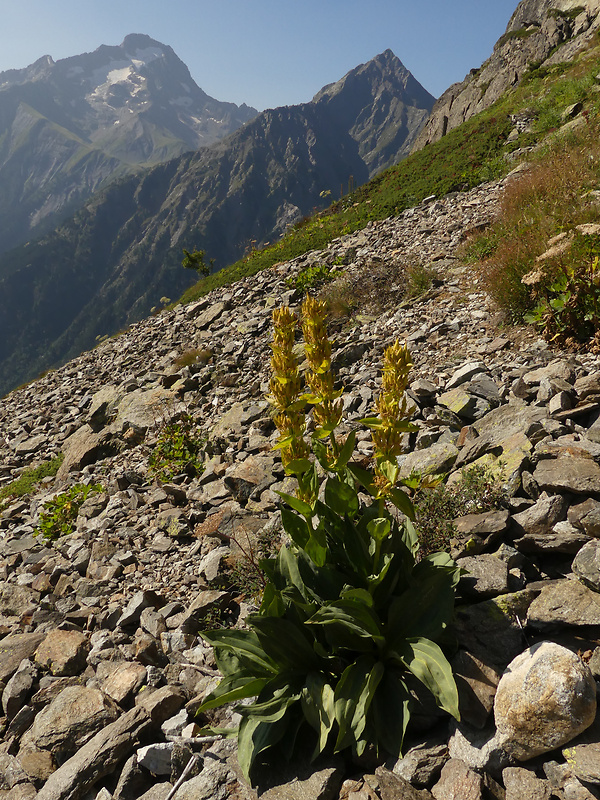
[(353, 695), (428, 616), (427, 663), (245, 646), (284, 642), (347, 451), (390, 711), (230, 690), (353, 617), (256, 735), (318, 708)]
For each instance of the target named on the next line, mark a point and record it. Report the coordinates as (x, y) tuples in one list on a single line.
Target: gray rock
[(538, 519), (99, 757), (487, 576), (435, 460), (18, 688), (546, 697), (586, 516), (586, 565), (156, 758), (565, 602), (457, 780), (568, 474), (423, 762), (522, 784), (13, 649), (63, 652), (476, 683)]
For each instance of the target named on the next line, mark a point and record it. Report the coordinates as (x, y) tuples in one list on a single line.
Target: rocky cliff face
[(102, 665), (539, 32), (71, 125), (122, 252)]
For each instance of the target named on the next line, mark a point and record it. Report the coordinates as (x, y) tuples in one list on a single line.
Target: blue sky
[(266, 53)]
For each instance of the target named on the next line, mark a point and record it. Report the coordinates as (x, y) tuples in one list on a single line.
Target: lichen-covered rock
[(546, 697)]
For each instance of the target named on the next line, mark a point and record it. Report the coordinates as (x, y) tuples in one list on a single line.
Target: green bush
[(349, 627), (29, 479), (437, 507), (311, 277), (179, 449), (58, 515)]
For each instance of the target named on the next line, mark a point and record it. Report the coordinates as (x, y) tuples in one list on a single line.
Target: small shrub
[(348, 618), (29, 479), (179, 449), (311, 277), (437, 507), (420, 279), (58, 515), (191, 357)]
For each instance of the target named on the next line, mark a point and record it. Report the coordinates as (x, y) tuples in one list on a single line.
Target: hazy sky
[(266, 53)]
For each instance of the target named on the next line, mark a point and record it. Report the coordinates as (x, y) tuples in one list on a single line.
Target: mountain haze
[(72, 125), (109, 264)]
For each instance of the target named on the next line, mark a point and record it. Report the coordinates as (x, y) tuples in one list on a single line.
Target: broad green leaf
[(430, 615), (296, 526), (224, 693), (402, 502), (364, 478), (284, 642), (245, 646), (358, 594), (319, 708), (353, 695), (427, 663), (372, 422), (390, 711), (390, 469), (379, 528), (272, 707), (346, 451), (298, 466), (353, 614), (316, 551), (341, 498), (254, 736), (298, 505)]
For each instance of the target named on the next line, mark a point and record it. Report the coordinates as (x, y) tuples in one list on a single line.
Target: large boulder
[(546, 697)]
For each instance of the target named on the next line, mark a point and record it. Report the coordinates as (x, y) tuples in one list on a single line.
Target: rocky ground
[(101, 663)]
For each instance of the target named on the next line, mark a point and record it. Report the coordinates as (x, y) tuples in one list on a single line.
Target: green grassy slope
[(477, 151)]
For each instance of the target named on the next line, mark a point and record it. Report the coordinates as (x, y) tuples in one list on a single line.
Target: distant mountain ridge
[(73, 124), (109, 264)]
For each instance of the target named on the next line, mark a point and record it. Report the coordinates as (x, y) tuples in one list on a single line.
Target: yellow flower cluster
[(286, 388), (327, 404)]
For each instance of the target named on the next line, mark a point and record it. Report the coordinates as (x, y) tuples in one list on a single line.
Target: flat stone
[(487, 576), (458, 781), (565, 602), (63, 652), (586, 516), (434, 460), (476, 683), (563, 538), (505, 421), (423, 762), (584, 760), (99, 757), (568, 474), (522, 784), (539, 518), (13, 649), (465, 373), (69, 721), (120, 681), (156, 758), (546, 697), (492, 630), (160, 704)]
